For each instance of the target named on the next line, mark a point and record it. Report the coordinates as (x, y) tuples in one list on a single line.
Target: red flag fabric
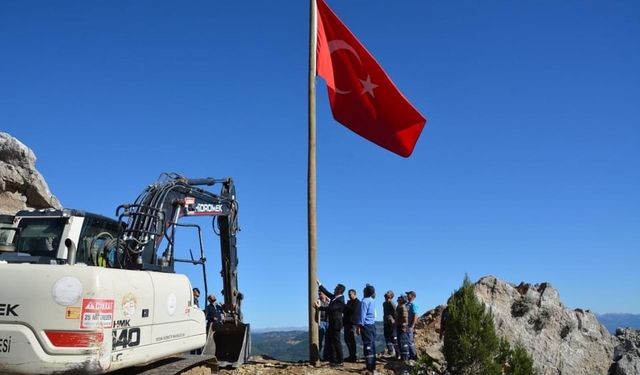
[(363, 98)]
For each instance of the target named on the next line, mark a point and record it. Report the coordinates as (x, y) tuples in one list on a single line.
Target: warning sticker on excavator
[(72, 312), (97, 313)]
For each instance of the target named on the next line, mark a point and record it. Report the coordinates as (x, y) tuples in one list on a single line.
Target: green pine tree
[(471, 345), (520, 362)]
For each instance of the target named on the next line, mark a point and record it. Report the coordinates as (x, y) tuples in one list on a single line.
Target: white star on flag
[(368, 86)]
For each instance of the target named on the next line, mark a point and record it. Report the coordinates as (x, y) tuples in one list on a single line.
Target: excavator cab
[(51, 236)]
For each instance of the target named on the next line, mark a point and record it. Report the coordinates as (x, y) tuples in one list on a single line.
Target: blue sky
[(527, 169)]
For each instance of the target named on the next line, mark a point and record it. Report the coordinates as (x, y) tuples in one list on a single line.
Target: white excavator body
[(78, 318)]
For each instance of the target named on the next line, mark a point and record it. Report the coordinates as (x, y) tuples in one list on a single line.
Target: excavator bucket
[(231, 343)]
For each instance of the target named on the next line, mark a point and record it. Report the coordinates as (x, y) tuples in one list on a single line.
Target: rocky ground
[(267, 366)]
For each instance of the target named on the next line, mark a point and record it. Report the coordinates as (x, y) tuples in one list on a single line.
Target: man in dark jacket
[(334, 312), (350, 319), (388, 317), (196, 295), (402, 328), (213, 313)]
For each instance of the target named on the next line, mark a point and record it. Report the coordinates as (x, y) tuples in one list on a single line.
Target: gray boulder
[(21, 185), (627, 352)]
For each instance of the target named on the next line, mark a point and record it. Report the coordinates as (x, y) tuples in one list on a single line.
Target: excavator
[(84, 293)]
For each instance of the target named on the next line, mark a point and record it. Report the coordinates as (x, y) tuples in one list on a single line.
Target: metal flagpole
[(311, 189)]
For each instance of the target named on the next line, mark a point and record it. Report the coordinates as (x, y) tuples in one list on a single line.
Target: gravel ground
[(266, 366)]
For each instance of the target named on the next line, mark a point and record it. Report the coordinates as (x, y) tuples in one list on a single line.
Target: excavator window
[(6, 234), (6, 230), (97, 242), (40, 237)]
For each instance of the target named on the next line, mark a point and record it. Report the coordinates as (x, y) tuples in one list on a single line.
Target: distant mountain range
[(293, 346), (613, 321), (279, 329), (283, 345)]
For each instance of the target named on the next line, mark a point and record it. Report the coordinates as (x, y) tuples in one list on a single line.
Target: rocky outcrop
[(428, 334), (21, 185), (560, 340), (627, 352)]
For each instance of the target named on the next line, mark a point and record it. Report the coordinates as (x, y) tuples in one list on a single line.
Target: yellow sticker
[(72, 313)]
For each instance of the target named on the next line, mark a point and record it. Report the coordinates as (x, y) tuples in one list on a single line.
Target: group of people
[(399, 323), (358, 318)]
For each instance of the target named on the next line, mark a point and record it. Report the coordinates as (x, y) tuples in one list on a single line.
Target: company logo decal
[(208, 208), (129, 305), (194, 208), (8, 309)]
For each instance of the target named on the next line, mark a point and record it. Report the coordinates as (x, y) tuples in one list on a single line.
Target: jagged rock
[(21, 185), (428, 333), (561, 341), (627, 352)]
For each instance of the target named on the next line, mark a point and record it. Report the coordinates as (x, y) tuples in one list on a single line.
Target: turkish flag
[(363, 98)]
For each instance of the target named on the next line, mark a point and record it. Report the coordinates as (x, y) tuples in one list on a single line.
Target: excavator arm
[(154, 216), (224, 209)]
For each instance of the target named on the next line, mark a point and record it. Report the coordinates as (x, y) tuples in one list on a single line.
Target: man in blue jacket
[(367, 327), (413, 318)]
